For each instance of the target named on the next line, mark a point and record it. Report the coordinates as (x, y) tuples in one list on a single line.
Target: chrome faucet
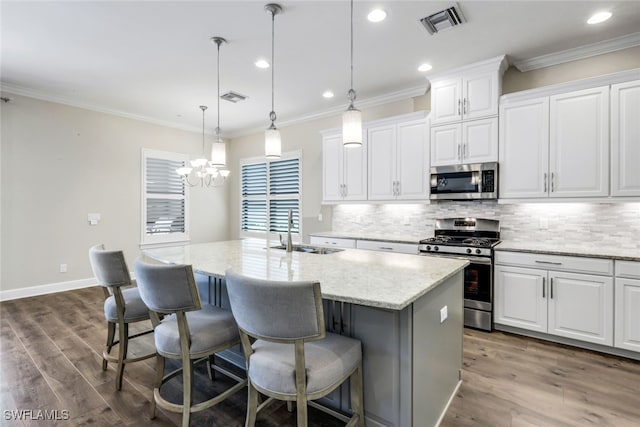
[(289, 225)]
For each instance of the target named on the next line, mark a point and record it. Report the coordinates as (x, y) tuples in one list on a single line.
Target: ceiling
[(153, 60)]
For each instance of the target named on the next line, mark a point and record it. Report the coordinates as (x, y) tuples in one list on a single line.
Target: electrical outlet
[(320, 217), (443, 314), (63, 268)]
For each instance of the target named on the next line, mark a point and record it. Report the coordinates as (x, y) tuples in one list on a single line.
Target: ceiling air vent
[(232, 96), (444, 19)]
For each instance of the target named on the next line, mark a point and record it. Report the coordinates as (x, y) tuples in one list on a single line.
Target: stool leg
[(187, 383), (122, 354), (111, 332), (357, 405), (212, 372), (252, 405), (157, 385)]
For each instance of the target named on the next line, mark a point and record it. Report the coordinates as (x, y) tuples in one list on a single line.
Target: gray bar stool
[(191, 332), (293, 358), (121, 306)]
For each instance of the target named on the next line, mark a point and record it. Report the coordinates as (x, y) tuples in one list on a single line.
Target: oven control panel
[(456, 250)]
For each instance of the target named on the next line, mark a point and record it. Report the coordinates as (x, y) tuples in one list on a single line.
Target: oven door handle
[(472, 259)]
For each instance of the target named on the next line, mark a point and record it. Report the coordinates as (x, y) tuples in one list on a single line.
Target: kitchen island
[(406, 310)]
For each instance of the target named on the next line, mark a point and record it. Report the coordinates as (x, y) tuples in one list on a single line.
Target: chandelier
[(202, 172), (272, 141)]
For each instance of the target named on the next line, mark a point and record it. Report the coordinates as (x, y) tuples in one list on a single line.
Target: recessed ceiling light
[(425, 67), (261, 63), (599, 17), (327, 94), (377, 15)]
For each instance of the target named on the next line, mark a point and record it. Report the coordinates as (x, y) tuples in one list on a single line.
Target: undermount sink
[(309, 249)]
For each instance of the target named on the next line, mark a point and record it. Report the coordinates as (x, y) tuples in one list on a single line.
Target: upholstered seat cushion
[(210, 328), (272, 365), (134, 311)]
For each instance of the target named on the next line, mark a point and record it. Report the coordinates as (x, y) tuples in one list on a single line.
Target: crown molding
[(365, 103), (586, 51)]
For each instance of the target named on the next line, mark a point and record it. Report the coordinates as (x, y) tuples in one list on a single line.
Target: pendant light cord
[(352, 45), (272, 115), (218, 125), (203, 107)]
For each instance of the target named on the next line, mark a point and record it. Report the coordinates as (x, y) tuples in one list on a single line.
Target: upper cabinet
[(555, 142), (464, 103), (392, 165), (625, 139), (344, 174), (398, 160)]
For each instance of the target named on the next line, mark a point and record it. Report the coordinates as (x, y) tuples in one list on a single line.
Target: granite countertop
[(378, 279), (572, 249), (376, 237)]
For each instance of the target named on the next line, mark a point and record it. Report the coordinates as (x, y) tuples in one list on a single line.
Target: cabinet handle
[(548, 262), (464, 110), (543, 286), (551, 286), (552, 182), (465, 150), (458, 106), (458, 151), (384, 248), (545, 182), (397, 188), (344, 186)]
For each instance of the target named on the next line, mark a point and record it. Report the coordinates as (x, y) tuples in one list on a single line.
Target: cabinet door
[(446, 101), (524, 149), (579, 143), (521, 297), (382, 155), (355, 172), (332, 168), (480, 95), (446, 145), (581, 307), (625, 139), (412, 153), (480, 141), (627, 309)]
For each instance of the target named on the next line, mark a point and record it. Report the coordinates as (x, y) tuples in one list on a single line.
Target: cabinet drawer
[(556, 262), (629, 269), (374, 245), (333, 242)]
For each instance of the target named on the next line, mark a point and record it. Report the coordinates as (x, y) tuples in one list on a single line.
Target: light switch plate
[(443, 314)]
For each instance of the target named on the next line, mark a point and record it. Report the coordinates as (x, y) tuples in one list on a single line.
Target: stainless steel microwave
[(464, 182)]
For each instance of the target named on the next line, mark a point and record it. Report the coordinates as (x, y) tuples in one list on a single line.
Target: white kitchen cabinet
[(555, 146), (579, 143), (344, 170), (334, 242), (565, 296), (375, 245), (398, 160), (466, 97), (625, 139), (474, 141), (627, 305), (524, 149)]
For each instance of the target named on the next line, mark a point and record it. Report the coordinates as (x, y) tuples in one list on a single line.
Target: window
[(164, 198), (269, 188)]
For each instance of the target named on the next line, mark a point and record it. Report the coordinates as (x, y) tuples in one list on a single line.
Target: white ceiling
[(154, 60)]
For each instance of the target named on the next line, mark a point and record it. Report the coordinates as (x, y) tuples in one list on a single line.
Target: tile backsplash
[(611, 224)]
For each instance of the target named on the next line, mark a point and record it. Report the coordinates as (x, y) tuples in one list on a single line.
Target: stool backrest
[(109, 267), (276, 310), (167, 288)]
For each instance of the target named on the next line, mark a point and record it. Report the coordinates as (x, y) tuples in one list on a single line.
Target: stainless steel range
[(472, 239)]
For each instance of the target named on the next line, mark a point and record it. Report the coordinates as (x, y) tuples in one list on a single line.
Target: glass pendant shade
[(352, 128), (218, 154), (272, 143)]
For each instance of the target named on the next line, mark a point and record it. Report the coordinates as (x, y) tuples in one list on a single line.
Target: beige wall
[(60, 163), (306, 137), (621, 60)]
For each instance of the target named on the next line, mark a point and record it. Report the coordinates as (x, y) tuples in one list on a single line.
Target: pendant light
[(218, 148), (352, 118), (272, 141)]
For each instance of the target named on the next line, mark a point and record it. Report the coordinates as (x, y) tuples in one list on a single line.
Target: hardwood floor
[(50, 360)]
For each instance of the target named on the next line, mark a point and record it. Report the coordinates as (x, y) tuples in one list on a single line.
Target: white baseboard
[(6, 295)]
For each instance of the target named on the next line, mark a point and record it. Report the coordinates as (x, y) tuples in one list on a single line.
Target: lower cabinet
[(563, 303), (627, 305), (335, 242), (375, 245)]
